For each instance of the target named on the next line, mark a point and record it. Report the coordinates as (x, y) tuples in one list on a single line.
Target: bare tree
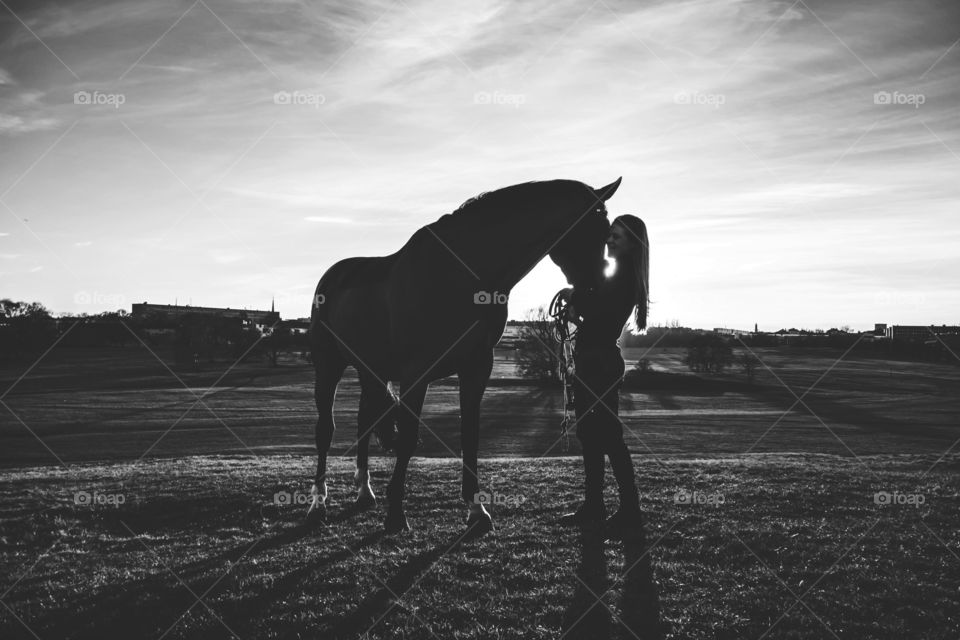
[(537, 347), (749, 364), (708, 354)]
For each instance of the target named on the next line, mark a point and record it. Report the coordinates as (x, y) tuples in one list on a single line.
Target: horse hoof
[(479, 524), (365, 501), (396, 525)]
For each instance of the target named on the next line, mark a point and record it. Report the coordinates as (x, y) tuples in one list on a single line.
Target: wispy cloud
[(749, 133), (330, 220)]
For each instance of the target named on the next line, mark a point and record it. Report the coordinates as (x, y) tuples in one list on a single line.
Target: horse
[(436, 308)]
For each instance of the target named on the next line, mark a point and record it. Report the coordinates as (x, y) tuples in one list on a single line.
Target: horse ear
[(605, 193)]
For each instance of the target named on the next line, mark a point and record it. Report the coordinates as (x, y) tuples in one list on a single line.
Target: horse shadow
[(590, 615), (377, 606), (134, 607)]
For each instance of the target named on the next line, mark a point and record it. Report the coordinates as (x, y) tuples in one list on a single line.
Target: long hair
[(638, 266)]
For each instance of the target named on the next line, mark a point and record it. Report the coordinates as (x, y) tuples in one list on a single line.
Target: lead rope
[(566, 369)]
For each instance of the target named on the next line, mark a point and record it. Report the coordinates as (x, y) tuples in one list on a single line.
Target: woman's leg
[(589, 419), (615, 447), (622, 465)]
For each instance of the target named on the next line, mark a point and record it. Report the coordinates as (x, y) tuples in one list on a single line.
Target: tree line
[(27, 329)]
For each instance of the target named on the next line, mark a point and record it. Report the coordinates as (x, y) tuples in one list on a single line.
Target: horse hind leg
[(388, 413), (408, 424), (329, 366), (376, 410)]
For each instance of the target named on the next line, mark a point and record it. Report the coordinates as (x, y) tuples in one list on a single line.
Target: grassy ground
[(116, 405), (771, 546)]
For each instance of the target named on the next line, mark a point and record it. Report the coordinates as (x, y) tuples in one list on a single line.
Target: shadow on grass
[(374, 609), (149, 606), (589, 615)]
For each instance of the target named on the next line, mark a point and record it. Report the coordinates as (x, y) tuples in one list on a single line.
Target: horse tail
[(318, 313)]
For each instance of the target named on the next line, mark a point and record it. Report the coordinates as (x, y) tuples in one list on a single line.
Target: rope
[(565, 365)]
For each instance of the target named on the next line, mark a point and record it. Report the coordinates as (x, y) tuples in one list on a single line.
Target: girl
[(601, 314)]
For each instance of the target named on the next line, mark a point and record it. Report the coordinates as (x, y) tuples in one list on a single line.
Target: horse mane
[(488, 205), (468, 203)]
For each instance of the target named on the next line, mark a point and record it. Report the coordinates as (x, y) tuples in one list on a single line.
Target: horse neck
[(523, 259), (500, 255)]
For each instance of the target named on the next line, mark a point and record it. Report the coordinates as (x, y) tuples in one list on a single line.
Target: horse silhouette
[(436, 308)]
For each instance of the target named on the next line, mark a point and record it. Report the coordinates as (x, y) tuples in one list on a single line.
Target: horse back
[(352, 288)]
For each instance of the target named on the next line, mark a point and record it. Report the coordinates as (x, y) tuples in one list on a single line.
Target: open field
[(785, 546), (120, 404), (183, 537)]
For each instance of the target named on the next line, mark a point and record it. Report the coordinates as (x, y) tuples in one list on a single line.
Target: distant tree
[(246, 343), (278, 340), (708, 353), (26, 328), (206, 337), (748, 363), (537, 348)]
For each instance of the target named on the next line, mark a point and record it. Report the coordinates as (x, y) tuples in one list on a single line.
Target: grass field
[(80, 406), (140, 500), (778, 546)]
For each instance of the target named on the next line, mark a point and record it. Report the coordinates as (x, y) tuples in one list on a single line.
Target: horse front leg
[(408, 427), (473, 383)]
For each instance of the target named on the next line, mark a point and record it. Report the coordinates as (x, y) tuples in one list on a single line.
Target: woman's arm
[(584, 301)]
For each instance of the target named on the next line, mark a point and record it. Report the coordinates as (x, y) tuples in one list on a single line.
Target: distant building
[(252, 318), (880, 329), (300, 326), (723, 331), (918, 332)]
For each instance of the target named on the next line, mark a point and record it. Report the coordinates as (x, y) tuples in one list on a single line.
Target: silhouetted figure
[(601, 314), (436, 308)]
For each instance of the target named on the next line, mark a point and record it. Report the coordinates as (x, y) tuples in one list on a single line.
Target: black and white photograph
[(587, 319)]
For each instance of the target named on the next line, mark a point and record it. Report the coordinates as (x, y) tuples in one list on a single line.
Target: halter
[(566, 369)]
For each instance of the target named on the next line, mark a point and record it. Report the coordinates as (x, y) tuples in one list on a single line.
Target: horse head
[(580, 251)]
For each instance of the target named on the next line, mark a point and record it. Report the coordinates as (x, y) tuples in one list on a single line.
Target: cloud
[(16, 124), (330, 220), (794, 164)]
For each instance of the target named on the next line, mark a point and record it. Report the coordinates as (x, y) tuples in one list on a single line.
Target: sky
[(796, 163)]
